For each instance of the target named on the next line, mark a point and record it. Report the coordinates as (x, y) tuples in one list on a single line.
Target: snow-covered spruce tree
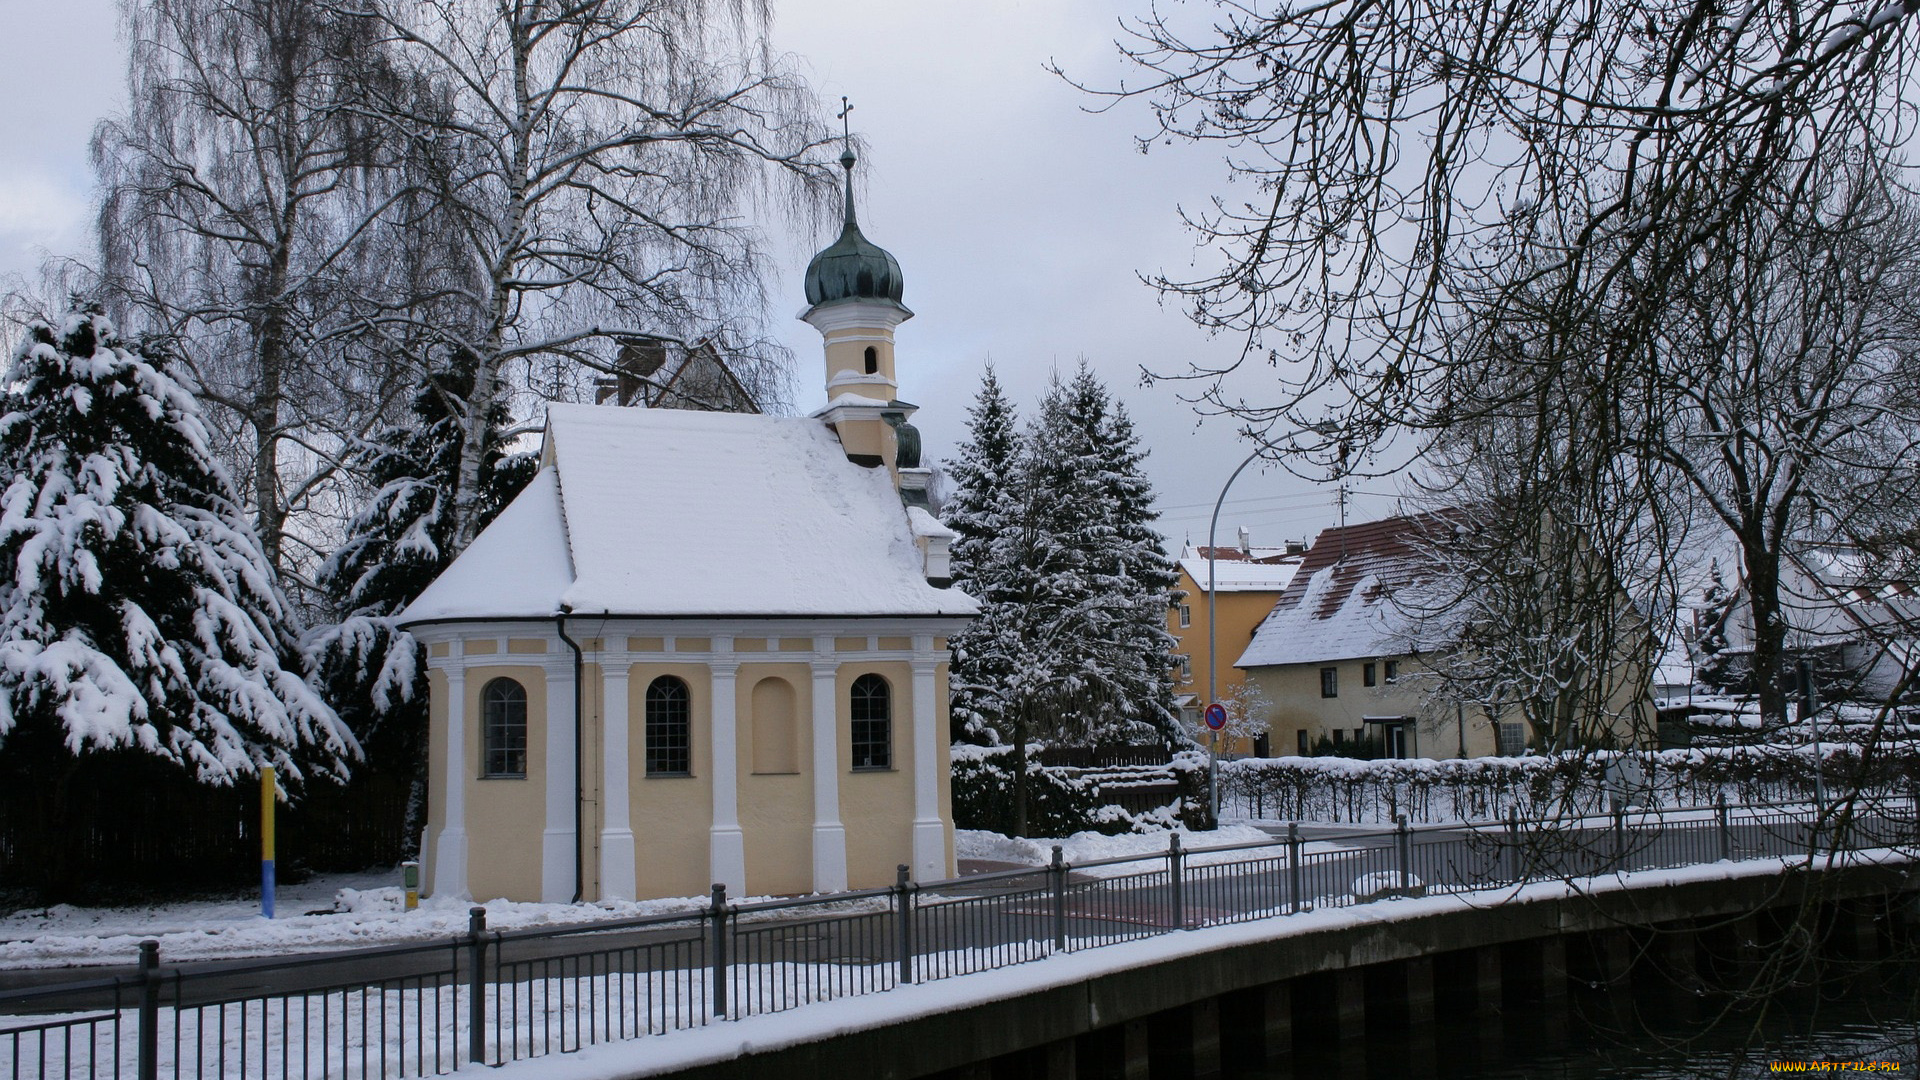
[(1057, 545), (138, 612), (985, 484), (1142, 568), (396, 545)]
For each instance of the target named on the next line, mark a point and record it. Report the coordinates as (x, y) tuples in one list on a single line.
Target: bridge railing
[(494, 996)]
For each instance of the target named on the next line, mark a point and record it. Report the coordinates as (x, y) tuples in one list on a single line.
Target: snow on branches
[(137, 609)]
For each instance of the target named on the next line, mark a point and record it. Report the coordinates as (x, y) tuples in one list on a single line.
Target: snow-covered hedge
[(1063, 800), (1430, 791)]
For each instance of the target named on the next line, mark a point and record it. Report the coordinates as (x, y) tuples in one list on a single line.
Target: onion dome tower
[(853, 292)]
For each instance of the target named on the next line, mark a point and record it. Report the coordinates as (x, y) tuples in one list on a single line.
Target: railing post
[(903, 911), (1513, 843), (1403, 848), (1619, 837), (1726, 827), (717, 928), (477, 985), (149, 1034), (1293, 868), (1057, 879), (1175, 878)]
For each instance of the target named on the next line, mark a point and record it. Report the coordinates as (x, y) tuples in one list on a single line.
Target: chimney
[(1246, 540)]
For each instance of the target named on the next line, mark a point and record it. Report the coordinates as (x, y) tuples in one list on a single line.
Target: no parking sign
[(1216, 716)]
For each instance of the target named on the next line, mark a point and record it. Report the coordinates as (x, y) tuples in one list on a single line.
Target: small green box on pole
[(410, 877)]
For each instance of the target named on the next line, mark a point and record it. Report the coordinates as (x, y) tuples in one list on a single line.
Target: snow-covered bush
[(1063, 800), (1431, 791)]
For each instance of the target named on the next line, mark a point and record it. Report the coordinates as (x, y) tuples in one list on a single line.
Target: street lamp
[(1213, 659)]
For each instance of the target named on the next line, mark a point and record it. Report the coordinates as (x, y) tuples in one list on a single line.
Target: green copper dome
[(853, 267)]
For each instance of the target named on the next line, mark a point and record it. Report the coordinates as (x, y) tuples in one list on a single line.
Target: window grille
[(503, 712), (872, 714), (669, 728)]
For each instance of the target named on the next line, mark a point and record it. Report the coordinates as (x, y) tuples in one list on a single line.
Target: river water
[(1864, 1025)]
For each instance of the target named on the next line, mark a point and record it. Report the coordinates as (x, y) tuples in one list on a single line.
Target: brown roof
[(1337, 605)]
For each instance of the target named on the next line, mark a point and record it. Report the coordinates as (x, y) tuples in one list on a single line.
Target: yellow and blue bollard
[(268, 793)]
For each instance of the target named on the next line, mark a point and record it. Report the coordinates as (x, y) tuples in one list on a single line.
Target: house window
[(1186, 615), (873, 360), (1186, 669), (872, 723), (1300, 743), (1367, 674), (1329, 682), (1393, 671), (1513, 739), (503, 719), (1339, 737), (669, 728)]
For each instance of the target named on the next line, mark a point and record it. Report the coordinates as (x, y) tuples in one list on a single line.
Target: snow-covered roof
[(1241, 575), (1338, 605), (649, 512)]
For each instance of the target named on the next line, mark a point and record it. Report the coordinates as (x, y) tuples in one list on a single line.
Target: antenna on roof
[(1341, 498)]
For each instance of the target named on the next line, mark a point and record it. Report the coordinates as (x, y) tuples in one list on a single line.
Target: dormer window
[(873, 360)]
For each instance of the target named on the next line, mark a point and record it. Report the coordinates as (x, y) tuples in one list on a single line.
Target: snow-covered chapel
[(704, 647)]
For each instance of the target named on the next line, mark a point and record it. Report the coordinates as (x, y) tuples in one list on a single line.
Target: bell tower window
[(873, 360)]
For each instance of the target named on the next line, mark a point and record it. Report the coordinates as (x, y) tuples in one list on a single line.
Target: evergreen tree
[(396, 545), (138, 611), (985, 480), (1057, 545), (1140, 570)]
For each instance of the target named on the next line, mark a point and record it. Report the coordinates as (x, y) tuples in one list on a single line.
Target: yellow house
[(704, 647), (1251, 580)]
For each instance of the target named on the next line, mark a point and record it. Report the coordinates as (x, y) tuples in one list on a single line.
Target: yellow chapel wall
[(776, 806), (672, 816), (876, 806), (505, 816)]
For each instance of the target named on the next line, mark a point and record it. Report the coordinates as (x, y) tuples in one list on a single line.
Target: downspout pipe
[(579, 768)]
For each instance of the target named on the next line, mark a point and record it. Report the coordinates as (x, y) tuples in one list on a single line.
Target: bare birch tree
[(594, 158), (242, 191)]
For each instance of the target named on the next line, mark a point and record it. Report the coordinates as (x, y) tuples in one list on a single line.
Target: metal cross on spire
[(846, 127), (846, 154)]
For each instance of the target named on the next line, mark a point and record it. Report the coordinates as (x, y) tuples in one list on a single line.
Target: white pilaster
[(616, 833), (929, 832), (558, 841), (829, 836), (726, 848), (450, 851)]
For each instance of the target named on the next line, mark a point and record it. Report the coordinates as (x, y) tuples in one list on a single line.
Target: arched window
[(872, 723), (669, 728), (873, 360), (503, 729)]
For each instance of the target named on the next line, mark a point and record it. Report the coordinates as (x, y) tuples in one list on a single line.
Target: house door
[(1396, 740)]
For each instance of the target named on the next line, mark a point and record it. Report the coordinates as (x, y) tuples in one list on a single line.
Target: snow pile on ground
[(341, 911)]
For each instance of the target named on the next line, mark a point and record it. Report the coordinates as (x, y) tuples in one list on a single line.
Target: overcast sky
[(1021, 221)]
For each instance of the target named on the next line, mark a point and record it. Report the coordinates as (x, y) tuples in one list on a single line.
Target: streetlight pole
[(1213, 659)]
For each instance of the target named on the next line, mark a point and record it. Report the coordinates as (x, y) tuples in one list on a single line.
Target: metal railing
[(500, 995)]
